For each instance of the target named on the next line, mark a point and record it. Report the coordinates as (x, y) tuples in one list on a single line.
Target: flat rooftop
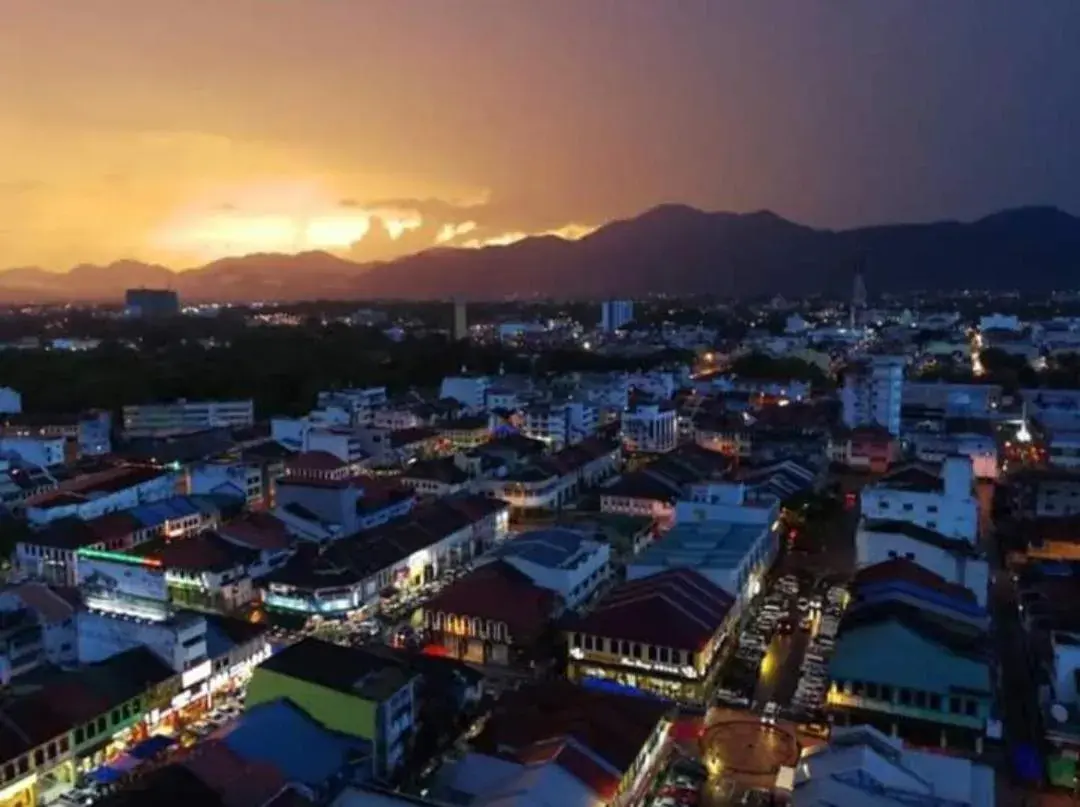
[(705, 545)]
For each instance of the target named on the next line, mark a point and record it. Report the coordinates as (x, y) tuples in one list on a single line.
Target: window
[(905, 697), (932, 508), (575, 640), (625, 647), (24, 764), (101, 724), (908, 507), (931, 525), (64, 745), (935, 703), (652, 653), (114, 717), (588, 643), (663, 655), (39, 758), (920, 699), (909, 555), (50, 752), (9, 771), (871, 690), (954, 706), (856, 687), (886, 693), (971, 708), (892, 554), (79, 736), (636, 650)]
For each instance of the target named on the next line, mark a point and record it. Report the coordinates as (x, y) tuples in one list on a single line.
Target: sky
[(180, 131)]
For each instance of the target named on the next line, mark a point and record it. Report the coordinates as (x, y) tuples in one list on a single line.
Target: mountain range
[(670, 249)]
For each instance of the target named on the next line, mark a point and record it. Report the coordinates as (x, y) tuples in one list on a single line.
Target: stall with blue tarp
[(151, 747)]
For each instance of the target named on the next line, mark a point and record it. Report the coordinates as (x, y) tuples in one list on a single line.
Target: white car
[(770, 713)]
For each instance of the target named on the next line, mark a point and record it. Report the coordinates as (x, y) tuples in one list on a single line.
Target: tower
[(461, 321), (858, 296)]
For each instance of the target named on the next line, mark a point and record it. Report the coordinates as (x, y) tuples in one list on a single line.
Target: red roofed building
[(657, 634), (555, 743), (495, 615), (865, 448)]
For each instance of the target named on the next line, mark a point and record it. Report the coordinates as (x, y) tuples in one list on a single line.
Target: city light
[(119, 557)]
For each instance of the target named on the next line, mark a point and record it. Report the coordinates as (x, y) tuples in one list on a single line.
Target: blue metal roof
[(313, 754), (154, 514), (551, 548)]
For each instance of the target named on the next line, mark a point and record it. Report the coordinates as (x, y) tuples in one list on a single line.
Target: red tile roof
[(41, 599), (595, 736), (906, 571), (239, 782), (499, 592), (114, 526), (677, 608), (260, 531), (315, 461)]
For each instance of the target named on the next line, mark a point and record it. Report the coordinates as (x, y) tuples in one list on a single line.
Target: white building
[(981, 449), (179, 641), (99, 496), (1000, 322), (186, 416), (361, 404), (872, 393), (954, 560), (42, 451), (942, 502), (615, 314), (240, 480), (561, 560), (862, 766), (721, 532), (560, 425), (650, 428), (469, 391)]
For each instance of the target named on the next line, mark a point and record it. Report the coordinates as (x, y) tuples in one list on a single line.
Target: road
[(780, 669)]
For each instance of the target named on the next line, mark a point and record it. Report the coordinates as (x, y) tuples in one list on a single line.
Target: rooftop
[(499, 592), (901, 570), (350, 670), (553, 548), (313, 754), (711, 544), (678, 608)]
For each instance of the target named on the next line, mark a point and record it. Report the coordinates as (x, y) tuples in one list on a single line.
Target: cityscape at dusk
[(579, 403)]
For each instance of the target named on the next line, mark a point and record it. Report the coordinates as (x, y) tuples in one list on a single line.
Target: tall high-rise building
[(858, 298), (461, 321), (614, 314), (149, 303), (872, 392)]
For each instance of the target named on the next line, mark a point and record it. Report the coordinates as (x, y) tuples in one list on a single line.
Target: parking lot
[(780, 664)]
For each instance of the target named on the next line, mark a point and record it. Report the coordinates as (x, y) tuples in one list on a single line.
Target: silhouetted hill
[(670, 248)]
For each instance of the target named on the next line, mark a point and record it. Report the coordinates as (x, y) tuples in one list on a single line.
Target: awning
[(151, 747)]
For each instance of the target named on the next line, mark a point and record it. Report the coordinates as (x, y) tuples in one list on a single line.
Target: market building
[(658, 635)]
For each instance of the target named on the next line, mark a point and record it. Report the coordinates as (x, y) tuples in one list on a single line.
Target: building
[(861, 765), (494, 615), (350, 574), (657, 635), (72, 722), (650, 428), (346, 505), (144, 420), (461, 321), (151, 303), (955, 560), (939, 499), (565, 561), (913, 672), (551, 743), (873, 392), (871, 449), (100, 493), (615, 314), (347, 690), (360, 403), (10, 401), (90, 431), (723, 533), (559, 425), (45, 452)]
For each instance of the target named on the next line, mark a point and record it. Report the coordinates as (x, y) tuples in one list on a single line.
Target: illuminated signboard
[(123, 584)]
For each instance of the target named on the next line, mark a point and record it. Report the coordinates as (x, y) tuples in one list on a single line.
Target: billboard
[(123, 584)]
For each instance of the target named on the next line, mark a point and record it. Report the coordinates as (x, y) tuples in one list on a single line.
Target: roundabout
[(748, 747)]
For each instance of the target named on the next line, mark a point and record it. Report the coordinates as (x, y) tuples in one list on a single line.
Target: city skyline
[(198, 130)]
